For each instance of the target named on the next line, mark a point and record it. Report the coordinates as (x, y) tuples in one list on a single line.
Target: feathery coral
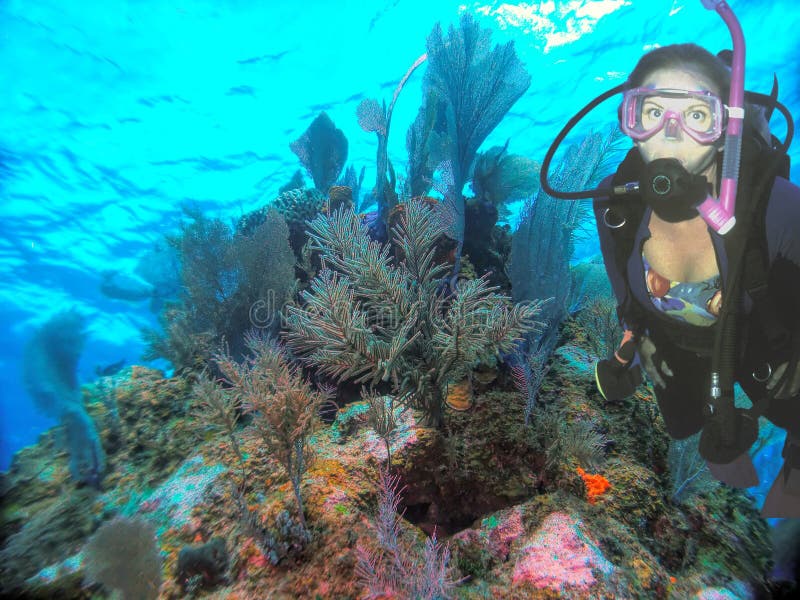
[(369, 319)]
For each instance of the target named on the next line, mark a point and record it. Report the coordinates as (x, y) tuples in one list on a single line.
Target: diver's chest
[(684, 255)]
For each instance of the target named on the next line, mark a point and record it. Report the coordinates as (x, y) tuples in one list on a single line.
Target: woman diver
[(675, 256), (672, 109)]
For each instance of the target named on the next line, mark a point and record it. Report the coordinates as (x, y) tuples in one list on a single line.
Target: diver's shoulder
[(784, 184), (784, 194), (783, 210)]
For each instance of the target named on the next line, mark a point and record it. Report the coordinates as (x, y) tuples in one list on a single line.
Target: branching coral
[(391, 570), (218, 409), (369, 320), (284, 406)]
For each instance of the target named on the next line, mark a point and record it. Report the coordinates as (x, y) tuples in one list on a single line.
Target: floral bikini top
[(696, 303)]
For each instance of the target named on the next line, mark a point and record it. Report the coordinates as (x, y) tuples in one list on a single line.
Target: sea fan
[(323, 151), (476, 86)]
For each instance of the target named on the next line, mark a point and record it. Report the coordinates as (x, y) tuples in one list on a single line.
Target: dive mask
[(646, 111)]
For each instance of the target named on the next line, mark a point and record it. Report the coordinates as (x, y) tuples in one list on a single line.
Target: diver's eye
[(697, 115), (653, 113)]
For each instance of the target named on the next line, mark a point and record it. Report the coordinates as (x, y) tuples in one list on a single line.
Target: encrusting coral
[(596, 485)]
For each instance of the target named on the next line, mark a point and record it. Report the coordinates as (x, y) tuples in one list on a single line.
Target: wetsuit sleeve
[(626, 355)]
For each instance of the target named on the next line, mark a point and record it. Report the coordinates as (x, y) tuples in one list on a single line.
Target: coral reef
[(473, 456), (483, 488), (155, 434)]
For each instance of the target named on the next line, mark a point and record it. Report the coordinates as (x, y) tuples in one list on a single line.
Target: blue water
[(115, 113)]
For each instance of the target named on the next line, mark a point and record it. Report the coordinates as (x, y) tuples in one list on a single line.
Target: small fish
[(109, 370)]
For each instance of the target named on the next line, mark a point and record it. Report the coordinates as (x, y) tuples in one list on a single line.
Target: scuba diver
[(708, 288)]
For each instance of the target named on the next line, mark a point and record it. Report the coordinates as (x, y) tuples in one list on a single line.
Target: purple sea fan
[(392, 570), (323, 151)]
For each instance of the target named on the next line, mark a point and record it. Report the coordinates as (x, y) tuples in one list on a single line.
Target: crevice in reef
[(447, 515)]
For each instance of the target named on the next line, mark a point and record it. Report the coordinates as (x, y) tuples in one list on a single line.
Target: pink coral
[(560, 555), (503, 535)]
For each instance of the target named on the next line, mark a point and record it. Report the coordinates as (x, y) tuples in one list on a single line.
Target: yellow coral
[(459, 395)]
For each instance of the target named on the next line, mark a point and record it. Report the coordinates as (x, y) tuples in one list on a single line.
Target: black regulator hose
[(557, 142), (730, 431), (752, 97), (770, 103)]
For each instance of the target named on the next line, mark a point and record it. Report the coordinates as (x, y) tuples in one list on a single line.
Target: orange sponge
[(596, 485)]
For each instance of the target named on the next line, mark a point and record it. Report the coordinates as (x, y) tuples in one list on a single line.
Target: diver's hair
[(692, 57)]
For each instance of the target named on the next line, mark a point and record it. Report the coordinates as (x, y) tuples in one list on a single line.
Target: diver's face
[(672, 141)]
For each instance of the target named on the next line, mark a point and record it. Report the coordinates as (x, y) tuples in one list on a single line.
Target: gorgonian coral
[(474, 86), (371, 318)]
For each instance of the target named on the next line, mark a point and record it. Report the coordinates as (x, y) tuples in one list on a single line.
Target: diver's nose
[(672, 129)]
